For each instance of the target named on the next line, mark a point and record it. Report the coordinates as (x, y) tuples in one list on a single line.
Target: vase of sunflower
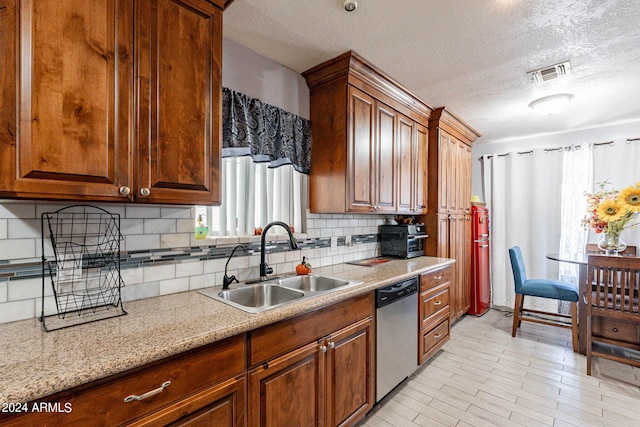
[(609, 212)]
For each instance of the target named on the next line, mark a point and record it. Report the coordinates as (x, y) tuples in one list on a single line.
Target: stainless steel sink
[(256, 298), (276, 292), (313, 283)]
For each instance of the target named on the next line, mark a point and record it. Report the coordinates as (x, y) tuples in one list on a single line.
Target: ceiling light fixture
[(551, 104)]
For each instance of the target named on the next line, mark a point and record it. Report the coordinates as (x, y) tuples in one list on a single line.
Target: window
[(253, 195)]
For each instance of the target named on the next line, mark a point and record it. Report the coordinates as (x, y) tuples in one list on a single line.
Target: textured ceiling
[(468, 55)]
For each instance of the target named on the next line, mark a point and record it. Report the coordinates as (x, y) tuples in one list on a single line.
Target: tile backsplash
[(161, 255)]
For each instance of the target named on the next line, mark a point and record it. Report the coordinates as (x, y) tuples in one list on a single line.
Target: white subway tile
[(343, 222), (50, 307), (17, 248), (337, 232), (140, 291), (17, 310), (28, 288), (159, 272), (185, 225), (176, 212), (293, 256), (332, 223), (214, 265), (159, 226), (3, 291), (275, 258), (143, 212), (25, 229), (131, 226), (178, 240), (136, 242), (203, 281), (246, 274), (191, 268), (174, 285), (3, 229), (12, 210), (132, 276)]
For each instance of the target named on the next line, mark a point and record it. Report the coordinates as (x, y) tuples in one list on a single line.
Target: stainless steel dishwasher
[(396, 334)]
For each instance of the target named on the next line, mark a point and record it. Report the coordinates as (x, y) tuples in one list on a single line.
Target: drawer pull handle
[(438, 277), (437, 303), (148, 394), (437, 336)]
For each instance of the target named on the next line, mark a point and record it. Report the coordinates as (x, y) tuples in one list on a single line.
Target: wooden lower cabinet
[(433, 311), (326, 382), (220, 406), (205, 383)]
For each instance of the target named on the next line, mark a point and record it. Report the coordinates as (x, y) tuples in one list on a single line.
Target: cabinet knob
[(144, 192), (323, 348), (125, 191), (332, 345)]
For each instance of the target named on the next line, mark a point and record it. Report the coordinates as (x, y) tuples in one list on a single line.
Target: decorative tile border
[(145, 258)]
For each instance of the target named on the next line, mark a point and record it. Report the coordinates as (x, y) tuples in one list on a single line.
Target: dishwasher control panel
[(390, 293)]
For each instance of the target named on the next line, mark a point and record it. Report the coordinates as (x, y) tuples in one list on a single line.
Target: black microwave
[(404, 240)]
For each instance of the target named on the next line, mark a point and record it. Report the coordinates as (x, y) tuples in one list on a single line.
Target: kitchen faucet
[(226, 280), (264, 268)]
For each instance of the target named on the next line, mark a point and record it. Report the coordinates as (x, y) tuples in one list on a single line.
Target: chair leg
[(574, 326), (589, 344), (517, 312)]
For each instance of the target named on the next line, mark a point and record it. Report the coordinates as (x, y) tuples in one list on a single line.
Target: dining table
[(582, 260)]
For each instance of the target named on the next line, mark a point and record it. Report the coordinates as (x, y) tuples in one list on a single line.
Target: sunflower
[(610, 210), (630, 198)]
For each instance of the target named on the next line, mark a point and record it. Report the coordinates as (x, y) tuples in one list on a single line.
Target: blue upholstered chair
[(543, 288)]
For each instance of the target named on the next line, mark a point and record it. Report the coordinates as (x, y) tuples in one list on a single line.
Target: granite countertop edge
[(38, 364)]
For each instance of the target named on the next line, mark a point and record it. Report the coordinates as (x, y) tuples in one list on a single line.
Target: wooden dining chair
[(592, 248), (613, 316), (543, 288)]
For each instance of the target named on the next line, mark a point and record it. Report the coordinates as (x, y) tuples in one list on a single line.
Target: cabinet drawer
[(102, 403), (433, 339), (435, 278), (433, 305), (616, 330)]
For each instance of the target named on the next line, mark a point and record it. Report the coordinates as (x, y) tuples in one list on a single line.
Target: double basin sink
[(277, 292)]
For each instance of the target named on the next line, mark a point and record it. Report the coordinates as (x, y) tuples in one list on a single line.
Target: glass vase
[(611, 243)]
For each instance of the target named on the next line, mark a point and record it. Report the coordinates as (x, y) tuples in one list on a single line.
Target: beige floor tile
[(484, 377)]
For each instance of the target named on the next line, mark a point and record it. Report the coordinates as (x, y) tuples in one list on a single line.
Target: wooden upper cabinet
[(179, 84), (386, 166), (422, 176), (88, 115), (406, 181), (365, 131), (361, 151), (66, 100)]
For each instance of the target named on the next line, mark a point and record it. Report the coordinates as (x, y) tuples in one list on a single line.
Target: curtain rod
[(561, 149)]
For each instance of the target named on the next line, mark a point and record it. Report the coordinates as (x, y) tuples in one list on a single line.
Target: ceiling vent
[(549, 73)]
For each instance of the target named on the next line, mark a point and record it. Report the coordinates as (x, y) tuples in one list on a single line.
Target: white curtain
[(577, 173), (620, 165), (254, 194), (523, 193)]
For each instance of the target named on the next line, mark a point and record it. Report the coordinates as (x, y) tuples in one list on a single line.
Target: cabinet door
[(289, 391), (179, 46), (466, 164), (421, 174), (406, 164), (385, 158), (361, 152), (456, 293), (445, 186), (220, 406), (453, 177), (350, 374), (66, 114), (444, 236)]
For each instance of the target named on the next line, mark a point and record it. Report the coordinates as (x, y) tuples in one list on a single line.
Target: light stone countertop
[(35, 364)]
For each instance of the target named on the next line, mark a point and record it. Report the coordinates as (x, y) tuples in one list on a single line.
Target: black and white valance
[(265, 132)]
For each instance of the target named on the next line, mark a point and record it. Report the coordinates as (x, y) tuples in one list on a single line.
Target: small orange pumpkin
[(304, 267)]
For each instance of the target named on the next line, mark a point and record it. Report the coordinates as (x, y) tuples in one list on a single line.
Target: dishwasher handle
[(396, 291)]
